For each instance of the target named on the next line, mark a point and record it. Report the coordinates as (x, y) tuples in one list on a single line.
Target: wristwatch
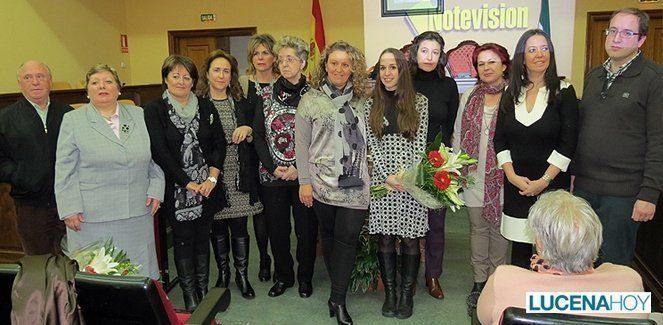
[(212, 179)]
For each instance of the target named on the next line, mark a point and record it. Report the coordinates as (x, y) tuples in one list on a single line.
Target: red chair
[(459, 60), (107, 299)]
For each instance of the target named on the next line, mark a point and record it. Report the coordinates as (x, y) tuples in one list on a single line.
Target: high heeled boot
[(202, 275), (388, 276), (221, 248), (241, 256), (185, 272), (409, 272)]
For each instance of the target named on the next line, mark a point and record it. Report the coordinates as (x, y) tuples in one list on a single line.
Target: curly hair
[(295, 43), (234, 90), (358, 76)]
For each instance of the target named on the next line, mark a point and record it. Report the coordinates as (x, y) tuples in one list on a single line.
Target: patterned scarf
[(352, 153), (470, 135), (188, 206)]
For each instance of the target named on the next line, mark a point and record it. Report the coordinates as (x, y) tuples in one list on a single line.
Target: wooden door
[(10, 244), (197, 44), (197, 48), (597, 22)]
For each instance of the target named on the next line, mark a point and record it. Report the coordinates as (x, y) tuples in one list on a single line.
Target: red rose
[(442, 180), (90, 269), (435, 158)]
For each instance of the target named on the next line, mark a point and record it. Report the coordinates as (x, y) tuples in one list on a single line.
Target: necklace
[(487, 119)]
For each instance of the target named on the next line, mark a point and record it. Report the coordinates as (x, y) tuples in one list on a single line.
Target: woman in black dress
[(257, 84), (535, 136), (427, 62)]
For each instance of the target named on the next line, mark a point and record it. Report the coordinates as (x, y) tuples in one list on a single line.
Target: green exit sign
[(207, 17)]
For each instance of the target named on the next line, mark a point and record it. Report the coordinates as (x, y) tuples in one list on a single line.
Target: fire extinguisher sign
[(124, 43)]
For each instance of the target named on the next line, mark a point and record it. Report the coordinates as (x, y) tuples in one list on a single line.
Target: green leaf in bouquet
[(435, 145)]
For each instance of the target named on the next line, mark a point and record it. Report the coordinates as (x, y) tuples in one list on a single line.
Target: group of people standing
[(218, 148)]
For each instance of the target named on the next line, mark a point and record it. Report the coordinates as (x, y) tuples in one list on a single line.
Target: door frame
[(597, 16), (174, 36)]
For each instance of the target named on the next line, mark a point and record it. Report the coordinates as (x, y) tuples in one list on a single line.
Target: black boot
[(262, 240), (409, 272), (221, 248), (241, 256), (202, 275), (473, 297), (341, 313), (388, 275), (185, 271)]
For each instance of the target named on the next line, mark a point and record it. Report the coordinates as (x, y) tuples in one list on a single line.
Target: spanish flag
[(317, 38)]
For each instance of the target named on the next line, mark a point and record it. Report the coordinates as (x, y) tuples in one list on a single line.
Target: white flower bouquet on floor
[(102, 257)]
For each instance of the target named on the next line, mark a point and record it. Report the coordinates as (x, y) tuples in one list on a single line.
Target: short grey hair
[(301, 48), (568, 230), (20, 68), (101, 67)]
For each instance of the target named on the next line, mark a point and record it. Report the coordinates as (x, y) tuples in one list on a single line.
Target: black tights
[(237, 227), (409, 246), (262, 236)]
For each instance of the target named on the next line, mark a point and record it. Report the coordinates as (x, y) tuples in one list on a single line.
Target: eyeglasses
[(627, 34), (288, 59)]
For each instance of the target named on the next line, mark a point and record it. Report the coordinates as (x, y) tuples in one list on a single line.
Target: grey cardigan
[(316, 142)]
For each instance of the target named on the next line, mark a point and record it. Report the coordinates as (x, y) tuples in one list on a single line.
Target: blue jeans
[(619, 230)]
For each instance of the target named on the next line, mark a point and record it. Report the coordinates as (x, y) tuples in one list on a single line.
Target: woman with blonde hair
[(257, 86), (331, 157)]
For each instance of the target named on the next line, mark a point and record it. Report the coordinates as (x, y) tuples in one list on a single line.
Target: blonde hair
[(256, 40)]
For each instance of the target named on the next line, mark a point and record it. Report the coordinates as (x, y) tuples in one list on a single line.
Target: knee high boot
[(241, 256), (221, 248), (262, 240), (388, 275), (185, 273), (202, 275), (409, 272)]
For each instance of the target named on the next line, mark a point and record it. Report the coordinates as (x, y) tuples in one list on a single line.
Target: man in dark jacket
[(619, 158), (29, 132)]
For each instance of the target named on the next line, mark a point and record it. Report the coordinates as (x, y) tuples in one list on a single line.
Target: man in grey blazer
[(29, 132), (105, 178)]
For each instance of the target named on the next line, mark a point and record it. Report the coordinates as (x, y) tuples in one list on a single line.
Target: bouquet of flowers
[(103, 258), (436, 180)]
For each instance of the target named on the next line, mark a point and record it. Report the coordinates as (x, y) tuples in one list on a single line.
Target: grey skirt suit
[(108, 179)]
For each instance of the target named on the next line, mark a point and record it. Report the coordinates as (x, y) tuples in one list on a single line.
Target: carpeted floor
[(289, 308)]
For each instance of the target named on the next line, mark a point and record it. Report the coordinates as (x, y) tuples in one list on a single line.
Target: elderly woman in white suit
[(106, 183)]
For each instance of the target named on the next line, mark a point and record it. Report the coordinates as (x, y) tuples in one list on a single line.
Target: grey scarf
[(353, 141)]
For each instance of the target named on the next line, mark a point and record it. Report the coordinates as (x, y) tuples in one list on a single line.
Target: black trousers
[(40, 229), (191, 238), (339, 233), (278, 202)]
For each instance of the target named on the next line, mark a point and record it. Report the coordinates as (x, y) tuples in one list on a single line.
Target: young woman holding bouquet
[(331, 156), (427, 62), (473, 133), (397, 121), (535, 136)]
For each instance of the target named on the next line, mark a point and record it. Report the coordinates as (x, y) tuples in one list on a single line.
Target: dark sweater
[(27, 153), (166, 145), (620, 145), (442, 94), (275, 147)]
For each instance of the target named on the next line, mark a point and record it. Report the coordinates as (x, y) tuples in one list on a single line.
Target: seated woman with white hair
[(568, 236)]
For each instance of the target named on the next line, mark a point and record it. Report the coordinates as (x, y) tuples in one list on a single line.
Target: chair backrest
[(57, 85), (518, 316), (106, 299), (7, 275), (459, 60), (127, 102)]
